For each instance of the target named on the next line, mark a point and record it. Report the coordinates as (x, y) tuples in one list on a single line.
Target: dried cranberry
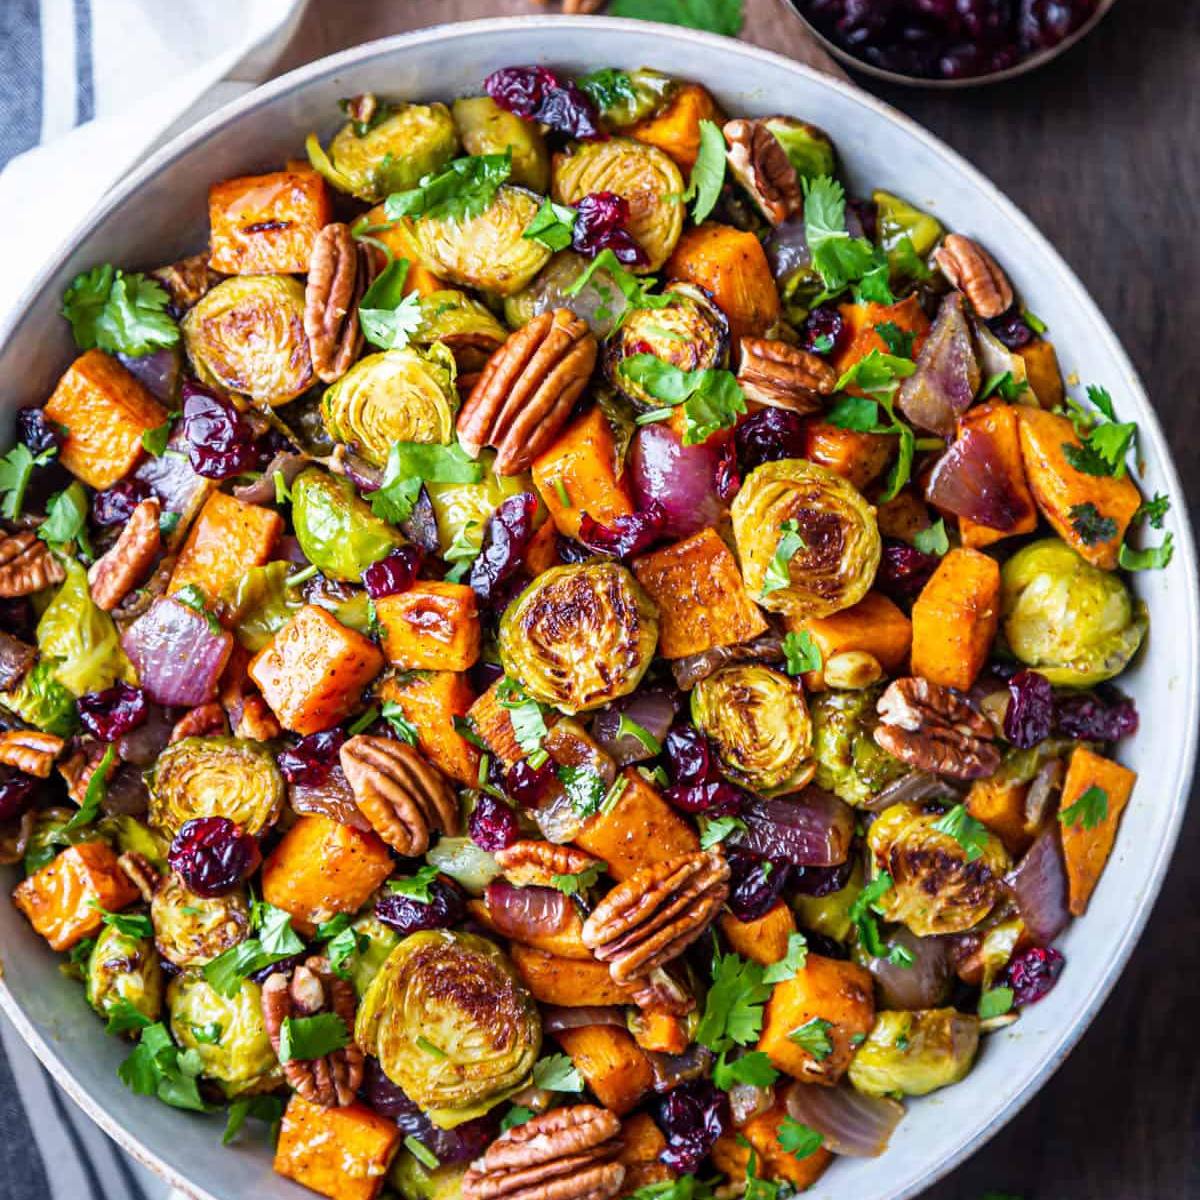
[(728, 481), (1030, 714), (570, 551), (115, 506), (311, 759), (484, 674), (493, 825), (213, 855), (405, 914), (628, 534), (17, 618), (1096, 717), (1012, 329), (715, 798), (822, 330), (903, 569), (537, 94), (692, 1117), (822, 881), (755, 883), (36, 431), (1033, 973), (601, 220), (395, 573), (112, 713), (689, 757), (16, 792), (220, 441), (770, 434), (505, 540), (527, 785)]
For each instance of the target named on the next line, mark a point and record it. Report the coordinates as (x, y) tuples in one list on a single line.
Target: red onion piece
[(330, 798), (262, 491), (853, 1124), (925, 983), (811, 829), (670, 1070), (1039, 885), (158, 372), (127, 794), (947, 376), (653, 710), (142, 745), (556, 1017), (683, 479), (178, 658), (525, 912), (171, 478), (787, 249), (914, 788), (970, 480), (690, 670)]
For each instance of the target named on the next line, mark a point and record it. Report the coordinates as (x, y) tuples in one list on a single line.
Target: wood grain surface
[(1102, 150)]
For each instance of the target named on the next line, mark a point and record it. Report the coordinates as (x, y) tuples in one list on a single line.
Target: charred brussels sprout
[(938, 886), (409, 141), (80, 639), (897, 220), (215, 777), (375, 942), (464, 326), (485, 128), (643, 174), (1074, 623), (849, 763), (462, 509), (226, 1032), (128, 835), (123, 968), (337, 531), (579, 636), (40, 700), (809, 149), (807, 540), (450, 1024), (830, 914), (247, 335), (397, 396), (599, 302), (915, 1053), (627, 97), (191, 930), (758, 724)]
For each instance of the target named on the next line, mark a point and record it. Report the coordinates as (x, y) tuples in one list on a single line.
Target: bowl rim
[(1149, 431)]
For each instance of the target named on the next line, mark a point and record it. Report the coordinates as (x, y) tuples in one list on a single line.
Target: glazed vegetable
[(848, 761), (611, 1063), (432, 702), (809, 149), (463, 325), (874, 627), (674, 127), (763, 1135), (227, 539), (430, 626), (191, 930), (914, 1053), (337, 530), (124, 970), (80, 638), (898, 220), (266, 224), (955, 619), (765, 939), (461, 510), (485, 128), (373, 942), (598, 302)]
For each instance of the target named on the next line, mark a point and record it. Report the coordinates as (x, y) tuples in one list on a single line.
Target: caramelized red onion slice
[(556, 1018), (947, 377), (970, 480), (683, 479), (914, 788), (286, 463), (811, 829), (855, 1125), (670, 1070), (522, 913), (1039, 885), (178, 658), (923, 984), (689, 671), (331, 798), (652, 709), (158, 372)]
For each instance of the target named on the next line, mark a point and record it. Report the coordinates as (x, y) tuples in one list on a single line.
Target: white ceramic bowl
[(160, 212)]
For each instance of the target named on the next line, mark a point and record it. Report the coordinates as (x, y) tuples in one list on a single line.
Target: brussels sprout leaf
[(157, 1067), (801, 652), (753, 1068), (708, 172), (733, 1009), (268, 1109), (813, 1038), (552, 225), (995, 1002), (970, 834), (402, 727), (388, 317), (417, 886), (1090, 525), (798, 1139), (557, 1073), (409, 465), (307, 1038), (118, 313), (627, 727), (778, 574), (461, 192), (517, 1115), (577, 884), (714, 830), (1088, 811), (792, 961), (932, 540)]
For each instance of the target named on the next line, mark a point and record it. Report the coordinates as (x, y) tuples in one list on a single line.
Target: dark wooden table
[(1102, 150)]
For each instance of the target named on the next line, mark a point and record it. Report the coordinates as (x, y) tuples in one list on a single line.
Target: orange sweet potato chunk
[(999, 421), (999, 802), (641, 1144), (226, 540), (1086, 851), (399, 240), (861, 336), (343, 1153), (731, 1154), (874, 625), (701, 599), (763, 940), (433, 626), (313, 672), (954, 619), (611, 1063), (569, 982), (431, 700), (1042, 372), (105, 411), (675, 129), (859, 458), (58, 898), (266, 224)]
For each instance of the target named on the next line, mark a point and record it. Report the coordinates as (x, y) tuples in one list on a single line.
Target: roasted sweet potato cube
[(226, 540), (1086, 851), (874, 626), (611, 1064), (493, 726), (566, 942), (58, 899), (675, 129), (397, 237), (266, 224), (812, 1021), (542, 551), (859, 458), (765, 939), (731, 1154), (954, 619), (1058, 487), (431, 700), (1042, 372), (701, 599), (659, 1031), (314, 670), (999, 802), (105, 411), (861, 334), (903, 516), (343, 1153), (641, 1143), (569, 982), (999, 421), (433, 626)]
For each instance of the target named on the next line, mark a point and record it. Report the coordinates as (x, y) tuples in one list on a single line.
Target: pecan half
[(256, 720), (114, 575), (26, 565), (404, 797), (312, 987), (974, 272), (208, 720), (188, 280), (338, 274), (935, 729), (527, 390), (784, 376), (141, 872), (532, 863), (564, 1154), (30, 750), (657, 913), (761, 165), (16, 658)]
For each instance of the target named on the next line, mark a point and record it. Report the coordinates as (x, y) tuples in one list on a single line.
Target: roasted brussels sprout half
[(915, 1053), (643, 174), (191, 930), (337, 530), (415, 1181), (485, 128), (451, 1024), (627, 97), (128, 835), (807, 540), (215, 777), (123, 968), (579, 636), (80, 639), (829, 915), (403, 395), (938, 886), (226, 1032), (462, 509), (490, 251), (809, 149), (759, 726), (464, 326), (896, 220), (1072, 622), (375, 942), (599, 302), (470, 866), (849, 763), (259, 604), (409, 141), (247, 335), (41, 701)]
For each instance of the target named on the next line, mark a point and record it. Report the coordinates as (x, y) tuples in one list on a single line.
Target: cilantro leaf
[(306, 1038), (1152, 558), (1105, 442), (577, 884), (877, 374), (813, 1038), (585, 788), (862, 913), (708, 172), (118, 313), (388, 317), (970, 834), (932, 540), (836, 256), (608, 88), (409, 465), (557, 1073), (190, 596), (517, 1115), (133, 925), (995, 1002), (416, 887), (898, 341), (1004, 385), (66, 518), (94, 794), (16, 470), (124, 1018), (798, 1139), (875, 286), (463, 190), (711, 397), (1088, 811), (1154, 511), (733, 1009), (802, 653), (792, 961), (753, 1068), (628, 727), (1090, 525), (552, 225), (402, 727), (778, 572), (853, 412), (157, 1067), (717, 16), (714, 830), (154, 441), (525, 714), (268, 1109)]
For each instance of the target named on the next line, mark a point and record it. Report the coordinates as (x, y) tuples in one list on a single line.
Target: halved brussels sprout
[(403, 395), (451, 1024), (215, 777), (463, 325), (247, 335), (1072, 622), (643, 174), (849, 763), (128, 835), (579, 636), (809, 149), (226, 1032), (915, 1053), (125, 968), (375, 942), (936, 886), (759, 726), (599, 302), (837, 554), (259, 604), (829, 915), (337, 530), (897, 220), (490, 251), (191, 930), (462, 509), (40, 700), (691, 334), (412, 140), (470, 866), (627, 97), (80, 639), (414, 1181), (485, 128)]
